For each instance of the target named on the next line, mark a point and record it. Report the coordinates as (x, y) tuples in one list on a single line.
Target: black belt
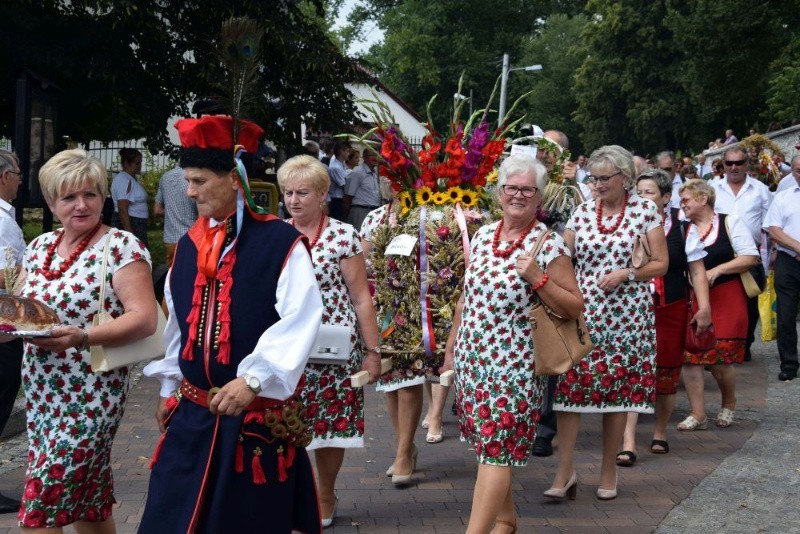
[(367, 207)]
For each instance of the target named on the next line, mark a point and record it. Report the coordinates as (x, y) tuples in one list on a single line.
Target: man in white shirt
[(338, 174), (790, 180), (666, 162), (703, 169), (581, 171), (10, 239), (748, 199), (783, 224)]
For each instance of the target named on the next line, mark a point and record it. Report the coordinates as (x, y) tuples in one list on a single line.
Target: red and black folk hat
[(208, 142)]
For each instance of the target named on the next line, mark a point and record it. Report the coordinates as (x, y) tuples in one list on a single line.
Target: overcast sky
[(372, 34)]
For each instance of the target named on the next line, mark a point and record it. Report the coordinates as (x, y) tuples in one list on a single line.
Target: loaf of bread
[(26, 314)]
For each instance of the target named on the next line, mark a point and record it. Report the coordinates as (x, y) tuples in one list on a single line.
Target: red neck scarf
[(210, 247)]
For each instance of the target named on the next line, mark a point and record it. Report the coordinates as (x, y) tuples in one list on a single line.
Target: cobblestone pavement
[(740, 479)]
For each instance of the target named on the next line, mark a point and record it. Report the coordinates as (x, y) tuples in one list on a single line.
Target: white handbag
[(332, 345), (105, 358)]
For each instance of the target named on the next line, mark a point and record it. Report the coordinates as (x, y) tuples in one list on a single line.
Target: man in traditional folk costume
[(244, 308)]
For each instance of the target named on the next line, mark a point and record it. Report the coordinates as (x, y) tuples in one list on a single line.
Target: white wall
[(405, 121)]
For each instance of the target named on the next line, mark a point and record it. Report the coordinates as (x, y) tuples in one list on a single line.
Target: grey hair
[(661, 178), (562, 138), (735, 148), (666, 154), (7, 160), (519, 164), (616, 157)]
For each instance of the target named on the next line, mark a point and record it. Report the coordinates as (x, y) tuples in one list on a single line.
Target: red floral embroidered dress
[(619, 374), (72, 413), (334, 409), (499, 395)]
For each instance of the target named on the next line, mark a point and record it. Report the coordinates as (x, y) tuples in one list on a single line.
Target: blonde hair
[(69, 170), (699, 187), (304, 167)]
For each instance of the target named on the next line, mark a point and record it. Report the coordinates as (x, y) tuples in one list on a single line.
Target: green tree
[(559, 49), (726, 48), (123, 67), (627, 88), (428, 45), (783, 95)]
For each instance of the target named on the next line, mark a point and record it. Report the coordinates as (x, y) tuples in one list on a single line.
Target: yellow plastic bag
[(767, 310)]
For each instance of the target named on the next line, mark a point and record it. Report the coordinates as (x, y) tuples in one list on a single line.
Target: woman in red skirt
[(730, 251)]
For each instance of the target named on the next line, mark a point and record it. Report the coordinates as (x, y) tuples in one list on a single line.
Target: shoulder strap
[(537, 246), (104, 272)]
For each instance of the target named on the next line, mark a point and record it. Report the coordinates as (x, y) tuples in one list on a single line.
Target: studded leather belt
[(203, 397)]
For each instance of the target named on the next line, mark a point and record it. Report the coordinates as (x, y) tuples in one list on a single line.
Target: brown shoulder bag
[(558, 343)]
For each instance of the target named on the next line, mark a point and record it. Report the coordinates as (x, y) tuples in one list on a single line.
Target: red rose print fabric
[(619, 375), (334, 409), (72, 413), (497, 391)]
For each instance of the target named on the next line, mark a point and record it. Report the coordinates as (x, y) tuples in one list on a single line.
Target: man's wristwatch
[(631, 276), (252, 382)]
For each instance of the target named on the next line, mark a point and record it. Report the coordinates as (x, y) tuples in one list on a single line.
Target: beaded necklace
[(319, 231), (610, 229), (514, 245), (53, 274), (705, 235)]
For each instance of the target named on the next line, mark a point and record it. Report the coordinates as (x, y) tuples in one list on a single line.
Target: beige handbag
[(558, 343), (641, 251), (106, 358)]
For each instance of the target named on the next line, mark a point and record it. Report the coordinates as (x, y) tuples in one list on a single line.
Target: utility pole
[(501, 114)]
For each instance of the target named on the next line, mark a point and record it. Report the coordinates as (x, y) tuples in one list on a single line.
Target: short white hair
[(519, 164)]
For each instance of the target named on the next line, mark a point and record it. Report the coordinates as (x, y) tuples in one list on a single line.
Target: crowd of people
[(246, 295)]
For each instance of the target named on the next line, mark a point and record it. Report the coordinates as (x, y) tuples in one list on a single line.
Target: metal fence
[(108, 153)]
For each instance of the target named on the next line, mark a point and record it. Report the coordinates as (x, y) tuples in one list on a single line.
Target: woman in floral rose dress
[(73, 413), (490, 347), (618, 376), (335, 409)]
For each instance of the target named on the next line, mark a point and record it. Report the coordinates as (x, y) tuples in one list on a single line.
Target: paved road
[(741, 479)]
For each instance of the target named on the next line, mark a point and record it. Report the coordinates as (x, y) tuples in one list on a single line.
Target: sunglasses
[(735, 163)]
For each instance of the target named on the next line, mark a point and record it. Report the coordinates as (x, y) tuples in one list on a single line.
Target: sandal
[(626, 458), (659, 443), (690, 423), (725, 418)]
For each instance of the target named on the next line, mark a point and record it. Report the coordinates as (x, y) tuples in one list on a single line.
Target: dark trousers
[(752, 320), (10, 377), (787, 290), (547, 424)]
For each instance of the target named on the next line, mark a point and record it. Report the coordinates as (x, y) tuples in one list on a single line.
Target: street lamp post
[(501, 115)]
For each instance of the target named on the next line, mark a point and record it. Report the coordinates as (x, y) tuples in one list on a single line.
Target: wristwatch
[(631, 276), (252, 382), (376, 349)]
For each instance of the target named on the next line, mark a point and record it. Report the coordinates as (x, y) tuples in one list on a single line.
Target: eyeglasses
[(666, 169), (603, 179), (18, 173), (735, 163), (512, 190)]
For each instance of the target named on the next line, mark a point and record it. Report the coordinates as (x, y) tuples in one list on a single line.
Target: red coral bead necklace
[(706, 234), (613, 228), (53, 274), (514, 245), (320, 228)]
